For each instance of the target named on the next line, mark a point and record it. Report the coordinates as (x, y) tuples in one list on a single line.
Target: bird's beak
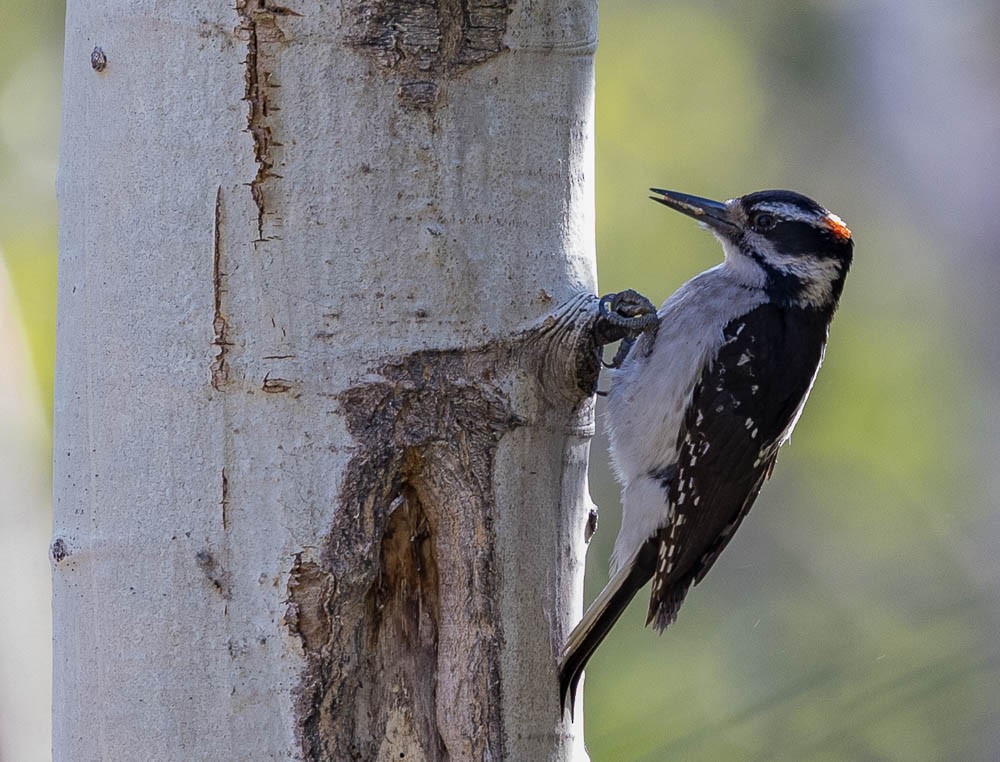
[(713, 214)]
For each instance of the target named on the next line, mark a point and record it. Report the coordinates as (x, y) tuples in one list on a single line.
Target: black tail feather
[(663, 611), (601, 617)]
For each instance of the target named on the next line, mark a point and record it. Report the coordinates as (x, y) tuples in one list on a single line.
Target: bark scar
[(426, 435), (307, 615), (215, 573), (430, 36), (220, 328), (417, 506)]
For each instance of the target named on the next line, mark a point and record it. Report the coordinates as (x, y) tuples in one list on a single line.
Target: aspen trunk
[(319, 458)]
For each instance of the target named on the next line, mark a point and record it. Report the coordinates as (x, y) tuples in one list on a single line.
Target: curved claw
[(623, 349), (624, 316), (628, 310), (602, 306)]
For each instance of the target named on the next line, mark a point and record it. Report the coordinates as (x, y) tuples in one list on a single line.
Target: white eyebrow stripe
[(788, 211)]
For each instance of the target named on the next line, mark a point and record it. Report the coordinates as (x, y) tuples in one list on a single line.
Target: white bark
[(290, 520)]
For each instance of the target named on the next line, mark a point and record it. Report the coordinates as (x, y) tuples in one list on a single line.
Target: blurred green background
[(856, 615), (31, 33)]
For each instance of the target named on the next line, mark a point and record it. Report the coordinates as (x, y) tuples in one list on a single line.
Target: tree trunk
[(319, 453)]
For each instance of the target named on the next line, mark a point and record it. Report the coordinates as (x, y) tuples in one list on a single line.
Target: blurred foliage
[(31, 38), (30, 257), (842, 622)]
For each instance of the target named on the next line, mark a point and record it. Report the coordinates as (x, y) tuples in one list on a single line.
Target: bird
[(699, 406)]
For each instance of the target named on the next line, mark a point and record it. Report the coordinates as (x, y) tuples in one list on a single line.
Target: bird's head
[(777, 239)]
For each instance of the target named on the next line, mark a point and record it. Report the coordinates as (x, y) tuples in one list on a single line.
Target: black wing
[(741, 407)]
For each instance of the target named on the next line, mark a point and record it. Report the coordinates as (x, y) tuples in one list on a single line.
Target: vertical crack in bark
[(389, 649), (224, 502), (220, 329), (258, 23), (256, 99)]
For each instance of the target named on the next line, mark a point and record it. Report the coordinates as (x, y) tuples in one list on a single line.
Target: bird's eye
[(762, 221)]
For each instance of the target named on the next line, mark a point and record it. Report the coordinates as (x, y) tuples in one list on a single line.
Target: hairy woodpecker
[(700, 405)]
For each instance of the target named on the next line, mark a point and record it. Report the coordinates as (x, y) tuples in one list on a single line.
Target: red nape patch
[(837, 227)]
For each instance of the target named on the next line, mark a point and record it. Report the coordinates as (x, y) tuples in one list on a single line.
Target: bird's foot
[(624, 316)]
